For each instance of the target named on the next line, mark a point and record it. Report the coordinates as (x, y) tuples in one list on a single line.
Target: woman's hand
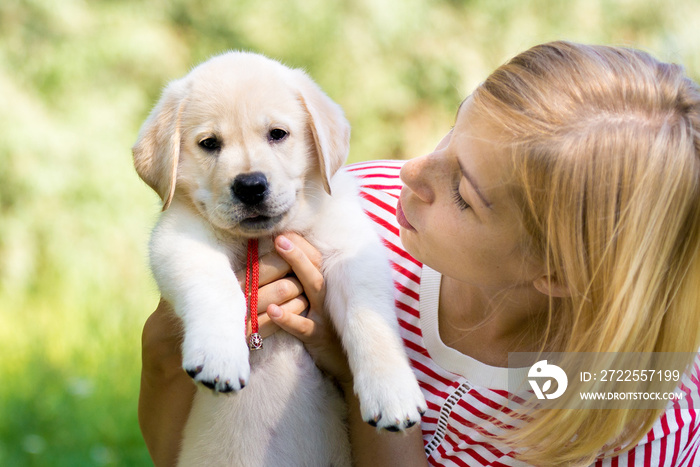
[(314, 329)]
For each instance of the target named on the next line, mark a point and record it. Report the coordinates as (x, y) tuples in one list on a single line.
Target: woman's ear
[(551, 286)]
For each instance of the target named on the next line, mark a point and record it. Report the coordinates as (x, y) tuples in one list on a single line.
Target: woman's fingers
[(292, 294), (297, 325), (306, 266), (294, 307), (271, 268), (312, 254), (305, 262), (278, 292)]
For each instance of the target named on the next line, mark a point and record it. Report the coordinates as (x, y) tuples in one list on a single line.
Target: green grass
[(77, 80)]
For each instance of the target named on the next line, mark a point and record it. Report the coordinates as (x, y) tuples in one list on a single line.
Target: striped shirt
[(466, 398)]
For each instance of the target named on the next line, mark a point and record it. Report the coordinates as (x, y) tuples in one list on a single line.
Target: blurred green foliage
[(78, 77)]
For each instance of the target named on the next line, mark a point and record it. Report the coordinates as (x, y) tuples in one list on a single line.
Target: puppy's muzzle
[(250, 189)]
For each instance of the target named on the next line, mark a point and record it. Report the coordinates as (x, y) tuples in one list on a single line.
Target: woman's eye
[(277, 134), (210, 144)]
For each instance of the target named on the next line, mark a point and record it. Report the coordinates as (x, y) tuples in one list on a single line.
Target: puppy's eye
[(210, 144), (277, 134)]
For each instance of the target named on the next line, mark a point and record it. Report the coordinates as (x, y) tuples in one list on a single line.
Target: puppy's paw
[(392, 400), (221, 364)]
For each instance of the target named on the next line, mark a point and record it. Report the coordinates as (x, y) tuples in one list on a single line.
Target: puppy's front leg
[(193, 271), (360, 300)]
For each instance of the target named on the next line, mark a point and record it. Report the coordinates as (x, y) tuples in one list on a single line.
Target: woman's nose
[(417, 174)]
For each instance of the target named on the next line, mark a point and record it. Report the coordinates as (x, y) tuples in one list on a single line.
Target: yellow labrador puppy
[(243, 147)]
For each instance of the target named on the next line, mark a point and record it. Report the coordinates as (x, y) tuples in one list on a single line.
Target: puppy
[(243, 147)]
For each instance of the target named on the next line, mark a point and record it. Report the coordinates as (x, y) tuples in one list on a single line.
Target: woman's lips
[(401, 218)]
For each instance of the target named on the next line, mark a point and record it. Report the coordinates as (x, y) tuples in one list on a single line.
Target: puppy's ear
[(329, 127), (157, 149)]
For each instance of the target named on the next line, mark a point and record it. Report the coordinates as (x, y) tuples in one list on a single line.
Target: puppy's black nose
[(250, 188)]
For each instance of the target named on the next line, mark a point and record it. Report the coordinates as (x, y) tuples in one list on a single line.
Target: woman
[(561, 213)]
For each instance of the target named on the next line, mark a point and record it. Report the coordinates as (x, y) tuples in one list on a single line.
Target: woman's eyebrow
[(470, 179)]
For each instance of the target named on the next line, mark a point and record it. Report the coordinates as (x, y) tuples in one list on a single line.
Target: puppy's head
[(245, 140)]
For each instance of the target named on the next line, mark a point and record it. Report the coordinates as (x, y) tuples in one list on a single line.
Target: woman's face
[(457, 215)]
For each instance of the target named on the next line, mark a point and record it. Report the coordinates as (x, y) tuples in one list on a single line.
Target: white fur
[(288, 413)]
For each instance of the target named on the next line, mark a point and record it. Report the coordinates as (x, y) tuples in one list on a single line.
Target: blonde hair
[(605, 145)]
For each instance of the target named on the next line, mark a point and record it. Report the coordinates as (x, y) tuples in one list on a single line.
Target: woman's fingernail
[(284, 243), (274, 311)]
